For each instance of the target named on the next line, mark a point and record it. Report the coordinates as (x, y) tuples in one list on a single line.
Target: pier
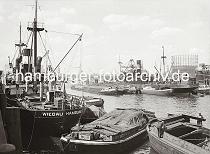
[(5, 147)]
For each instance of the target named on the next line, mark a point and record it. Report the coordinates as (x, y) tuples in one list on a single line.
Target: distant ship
[(159, 92), (176, 88), (170, 87)]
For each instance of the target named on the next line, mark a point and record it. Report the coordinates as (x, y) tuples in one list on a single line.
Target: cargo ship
[(45, 110)]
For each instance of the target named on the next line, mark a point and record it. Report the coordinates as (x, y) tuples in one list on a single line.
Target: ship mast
[(35, 37), (20, 41), (163, 57), (35, 29), (20, 45)]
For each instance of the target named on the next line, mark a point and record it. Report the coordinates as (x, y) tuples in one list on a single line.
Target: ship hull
[(122, 146), (166, 92), (173, 145), (44, 124), (39, 125), (109, 93), (162, 147), (183, 90), (178, 89)]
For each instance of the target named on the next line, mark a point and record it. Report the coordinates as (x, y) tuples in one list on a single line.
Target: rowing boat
[(177, 134)]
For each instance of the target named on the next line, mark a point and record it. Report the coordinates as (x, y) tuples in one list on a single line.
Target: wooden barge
[(116, 132)]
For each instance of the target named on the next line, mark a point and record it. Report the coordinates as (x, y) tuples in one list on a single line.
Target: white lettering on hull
[(59, 114)]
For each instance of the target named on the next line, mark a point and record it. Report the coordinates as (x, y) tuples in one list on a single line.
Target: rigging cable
[(67, 33), (79, 39), (29, 66), (64, 33), (44, 19), (14, 55), (32, 131), (28, 39), (46, 51), (51, 50)]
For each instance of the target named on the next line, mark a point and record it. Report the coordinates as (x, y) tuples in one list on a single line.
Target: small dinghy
[(115, 132), (113, 91), (203, 89), (177, 134)]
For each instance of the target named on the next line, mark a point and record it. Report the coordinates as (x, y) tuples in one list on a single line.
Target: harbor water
[(192, 105)]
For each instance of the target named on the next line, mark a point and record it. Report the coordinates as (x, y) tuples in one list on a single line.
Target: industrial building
[(203, 74), (185, 63), (190, 65)]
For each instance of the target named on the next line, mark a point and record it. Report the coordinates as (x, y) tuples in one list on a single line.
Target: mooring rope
[(32, 132)]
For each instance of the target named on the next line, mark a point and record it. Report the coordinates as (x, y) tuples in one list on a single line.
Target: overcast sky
[(130, 28)]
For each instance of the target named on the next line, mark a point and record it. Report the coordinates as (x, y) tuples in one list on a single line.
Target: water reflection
[(160, 105)]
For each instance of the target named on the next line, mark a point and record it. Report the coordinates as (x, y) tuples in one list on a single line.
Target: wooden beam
[(193, 117), (13, 123), (3, 139)]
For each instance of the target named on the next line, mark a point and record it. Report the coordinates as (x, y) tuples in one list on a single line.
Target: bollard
[(7, 149)]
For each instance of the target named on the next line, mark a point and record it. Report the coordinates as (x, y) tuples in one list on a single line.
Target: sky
[(129, 29)]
